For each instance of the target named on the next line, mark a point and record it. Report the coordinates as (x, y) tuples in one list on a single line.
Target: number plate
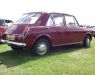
[(10, 37)]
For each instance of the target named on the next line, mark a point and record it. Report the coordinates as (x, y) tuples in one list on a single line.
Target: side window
[(50, 22), (70, 21), (55, 20), (58, 21)]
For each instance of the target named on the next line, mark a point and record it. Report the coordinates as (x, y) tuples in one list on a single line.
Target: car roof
[(49, 13)]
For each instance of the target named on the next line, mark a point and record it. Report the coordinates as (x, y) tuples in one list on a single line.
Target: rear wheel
[(41, 47), (87, 41)]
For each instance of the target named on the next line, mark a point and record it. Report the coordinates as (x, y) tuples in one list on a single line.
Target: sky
[(84, 10)]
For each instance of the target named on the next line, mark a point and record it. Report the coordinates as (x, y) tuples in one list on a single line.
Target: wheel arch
[(47, 37), (88, 34)]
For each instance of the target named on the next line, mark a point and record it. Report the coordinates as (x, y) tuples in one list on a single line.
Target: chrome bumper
[(13, 43)]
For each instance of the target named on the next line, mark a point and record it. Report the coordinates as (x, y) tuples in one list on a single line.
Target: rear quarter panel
[(34, 33)]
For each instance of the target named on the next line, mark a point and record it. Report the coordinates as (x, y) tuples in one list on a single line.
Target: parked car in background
[(92, 28), (4, 23), (42, 30)]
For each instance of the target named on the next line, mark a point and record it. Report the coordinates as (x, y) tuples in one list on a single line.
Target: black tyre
[(41, 47), (87, 41), (15, 48)]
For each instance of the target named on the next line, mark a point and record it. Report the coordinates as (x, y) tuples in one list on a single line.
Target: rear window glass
[(28, 18)]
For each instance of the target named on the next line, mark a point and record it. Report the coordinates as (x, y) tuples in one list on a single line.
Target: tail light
[(0, 33), (25, 31)]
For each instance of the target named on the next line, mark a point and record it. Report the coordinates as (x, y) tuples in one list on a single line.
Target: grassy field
[(66, 60)]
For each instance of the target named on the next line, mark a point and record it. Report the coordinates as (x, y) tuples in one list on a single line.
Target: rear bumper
[(13, 43)]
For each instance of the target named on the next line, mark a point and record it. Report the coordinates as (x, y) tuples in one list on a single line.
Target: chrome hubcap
[(42, 47)]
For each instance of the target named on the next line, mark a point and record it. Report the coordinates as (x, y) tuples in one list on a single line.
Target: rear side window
[(50, 22), (58, 21), (55, 20)]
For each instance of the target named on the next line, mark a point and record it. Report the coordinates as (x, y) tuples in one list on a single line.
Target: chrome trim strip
[(68, 44), (13, 43)]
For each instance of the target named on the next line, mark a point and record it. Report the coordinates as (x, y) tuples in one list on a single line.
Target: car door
[(56, 25), (75, 34)]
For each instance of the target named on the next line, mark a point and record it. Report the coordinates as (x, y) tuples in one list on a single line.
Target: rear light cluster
[(0, 33), (25, 31)]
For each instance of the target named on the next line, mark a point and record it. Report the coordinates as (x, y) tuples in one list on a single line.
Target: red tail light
[(0, 33), (25, 31)]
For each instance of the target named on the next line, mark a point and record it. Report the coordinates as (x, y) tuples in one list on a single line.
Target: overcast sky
[(84, 10)]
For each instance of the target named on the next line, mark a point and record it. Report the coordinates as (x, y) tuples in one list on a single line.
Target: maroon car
[(42, 30), (4, 23)]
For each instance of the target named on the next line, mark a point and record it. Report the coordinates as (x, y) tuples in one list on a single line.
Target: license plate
[(10, 37)]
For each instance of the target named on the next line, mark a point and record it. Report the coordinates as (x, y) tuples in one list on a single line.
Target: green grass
[(66, 60)]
